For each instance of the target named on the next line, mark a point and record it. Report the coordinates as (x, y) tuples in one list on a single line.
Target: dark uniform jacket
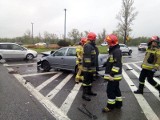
[(89, 57), (114, 63)]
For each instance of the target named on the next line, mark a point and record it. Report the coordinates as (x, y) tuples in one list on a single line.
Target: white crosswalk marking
[(141, 100), (150, 87), (41, 86), (69, 100), (52, 93)]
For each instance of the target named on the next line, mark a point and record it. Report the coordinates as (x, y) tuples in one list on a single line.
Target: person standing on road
[(89, 66), (113, 74), (79, 52), (150, 65)]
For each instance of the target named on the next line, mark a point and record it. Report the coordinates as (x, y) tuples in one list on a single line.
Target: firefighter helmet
[(91, 36), (154, 38), (83, 40), (112, 40)]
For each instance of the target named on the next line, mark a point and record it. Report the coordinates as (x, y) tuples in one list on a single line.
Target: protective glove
[(111, 78)]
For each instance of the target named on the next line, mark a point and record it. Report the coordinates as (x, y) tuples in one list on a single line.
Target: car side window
[(3, 46), (71, 52), (16, 47), (60, 52)]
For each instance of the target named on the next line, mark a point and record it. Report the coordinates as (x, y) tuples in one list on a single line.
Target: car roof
[(143, 43), (8, 43)]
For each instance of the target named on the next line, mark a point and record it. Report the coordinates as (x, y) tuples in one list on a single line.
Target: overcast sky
[(85, 15)]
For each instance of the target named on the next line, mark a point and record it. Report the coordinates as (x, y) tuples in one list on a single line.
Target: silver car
[(65, 59), (14, 51), (125, 49)]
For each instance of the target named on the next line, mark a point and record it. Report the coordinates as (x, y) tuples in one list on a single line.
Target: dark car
[(65, 59)]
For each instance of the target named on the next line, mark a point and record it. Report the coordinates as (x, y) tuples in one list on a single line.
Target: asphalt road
[(26, 94)]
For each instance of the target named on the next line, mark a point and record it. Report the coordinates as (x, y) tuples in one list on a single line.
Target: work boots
[(84, 95), (90, 92), (140, 89)]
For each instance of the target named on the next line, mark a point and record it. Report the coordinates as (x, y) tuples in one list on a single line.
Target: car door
[(18, 51), (70, 59), (6, 51), (57, 58)]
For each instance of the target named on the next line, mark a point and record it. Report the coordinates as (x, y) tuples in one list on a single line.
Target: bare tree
[(126, 17), (75, 35), (101, 36)]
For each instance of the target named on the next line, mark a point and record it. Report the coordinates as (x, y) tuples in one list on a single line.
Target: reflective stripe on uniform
[(93, 52), (111, 101), (115, 69), (91, 69), (116, 77), (148, 66), (106, 76), (111, 59), (119, 99), (142, 83), (86, 84), (87, 60)]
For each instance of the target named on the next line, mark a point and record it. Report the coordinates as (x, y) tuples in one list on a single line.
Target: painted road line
[(34, 74), (53, 110), (132, 62), (12, 65), (147, 110), (157, 80), (52, 93), (149, 86), (41, 86), (70, 98)]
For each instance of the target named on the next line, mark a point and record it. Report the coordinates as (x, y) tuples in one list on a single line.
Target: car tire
[(0, 57), (29, 56), (46, 66), (129, 53)]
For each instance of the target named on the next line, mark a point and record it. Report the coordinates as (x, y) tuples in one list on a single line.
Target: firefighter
[(150, 65), (113, 74), (89, 66), (79, 52)]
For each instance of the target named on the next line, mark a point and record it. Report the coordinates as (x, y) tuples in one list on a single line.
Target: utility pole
[(65, 24), (32, 33)]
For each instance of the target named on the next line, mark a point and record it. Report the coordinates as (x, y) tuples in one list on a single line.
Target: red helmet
[(154, 38), (83, 41), (91, 36), (112, 40)]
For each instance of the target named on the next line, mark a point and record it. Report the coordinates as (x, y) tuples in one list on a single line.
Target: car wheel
[(129, 53), (29, 56), (46, 66), (0, 57)]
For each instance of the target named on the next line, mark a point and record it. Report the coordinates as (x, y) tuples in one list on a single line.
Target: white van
[(13, 50)]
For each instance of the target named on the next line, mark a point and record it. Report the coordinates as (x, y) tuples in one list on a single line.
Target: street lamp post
[(32, 33), (65, 24)]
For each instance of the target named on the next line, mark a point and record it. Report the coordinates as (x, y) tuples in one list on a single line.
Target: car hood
[(31, 51), (47, 53)]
